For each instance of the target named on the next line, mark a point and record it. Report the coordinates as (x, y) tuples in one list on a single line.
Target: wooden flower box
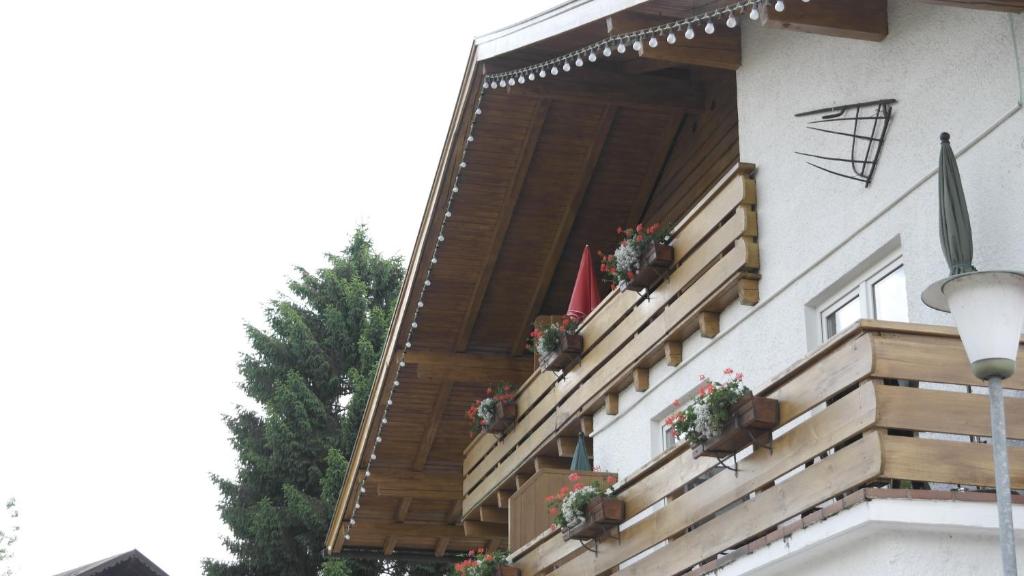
[(654, 264), (569, 349), (508, 571), (754, 418), (504, 418), (603, 514)]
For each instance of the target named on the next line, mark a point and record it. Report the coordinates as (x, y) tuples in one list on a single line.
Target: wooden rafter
[(654, 169), (435, 424), (720, 50), (564, 228), (505, 218), (856, 19), (447, 367)]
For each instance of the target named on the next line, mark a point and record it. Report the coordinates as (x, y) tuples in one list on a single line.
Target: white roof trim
[(561, 18)]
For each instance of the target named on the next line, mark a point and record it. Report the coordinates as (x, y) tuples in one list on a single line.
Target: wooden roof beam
[(507, 209), (856, 19), (595, 86), (445, 367), (564, 228), (382, 530), (998, 5)]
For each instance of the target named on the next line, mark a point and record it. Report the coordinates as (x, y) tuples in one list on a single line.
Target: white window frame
[(863, 289)]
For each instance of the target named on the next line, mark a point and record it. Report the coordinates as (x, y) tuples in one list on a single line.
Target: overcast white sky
[(163, 165)]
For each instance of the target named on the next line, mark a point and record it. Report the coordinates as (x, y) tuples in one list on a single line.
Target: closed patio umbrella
[(580, 458), (954, 221), (585, 295)]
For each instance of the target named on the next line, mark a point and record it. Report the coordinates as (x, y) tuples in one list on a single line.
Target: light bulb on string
[(448, 214), (511, 81), (408, 345), (396, 384), (389, 402), (566, 66), (348, 536), (780, 6), (709, 28), (731, 21), (671, 38), (373, 456), (532, 76), (607, 51), (592, 57), (621, 48), (503, 83), (470, 138), (653, 42), (426, 282), (522, 79), (755, 14), (579, 62), (554, 70), (689, 34), (637, 45)]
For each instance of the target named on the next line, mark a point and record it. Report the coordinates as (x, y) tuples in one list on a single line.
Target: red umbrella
[(585, 296)]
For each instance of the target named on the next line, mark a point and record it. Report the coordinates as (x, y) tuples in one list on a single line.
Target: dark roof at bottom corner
[(131, 563)]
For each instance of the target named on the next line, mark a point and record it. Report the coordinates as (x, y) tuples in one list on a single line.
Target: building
[(806, 278), (131, 563)]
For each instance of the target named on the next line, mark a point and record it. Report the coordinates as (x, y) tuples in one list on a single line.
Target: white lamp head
[(988, 309)]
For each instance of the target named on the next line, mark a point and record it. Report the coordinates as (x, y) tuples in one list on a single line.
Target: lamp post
[(988, 310)]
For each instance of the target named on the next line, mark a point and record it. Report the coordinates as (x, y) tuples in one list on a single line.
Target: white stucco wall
[(951, 70), (888, 537)]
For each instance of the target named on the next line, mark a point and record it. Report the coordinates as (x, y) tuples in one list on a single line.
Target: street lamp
[(988, 310)]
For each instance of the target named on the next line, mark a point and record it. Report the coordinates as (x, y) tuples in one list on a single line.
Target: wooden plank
[(720, 50), (847, 417), (945, 412), (929, 358), (550, 463), (590, 85), (568, 219), (521, 479), (709, 325), (501, 228), (587, 425), (444, 366), (405, 490), (493, 514), (928, 460), (432, 480), (673, 353), (849, 468), (567, 446), (611, 403), (389, 545), (856, 19), (997, 5), (655, 164), (503, 496), (368, 529), (476, 529), (641, 379)]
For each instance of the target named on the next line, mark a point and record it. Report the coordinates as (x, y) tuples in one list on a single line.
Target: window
[(881, 295), (668, 438)]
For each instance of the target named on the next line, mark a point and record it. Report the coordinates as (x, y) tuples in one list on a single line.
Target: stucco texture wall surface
[(951, 70)]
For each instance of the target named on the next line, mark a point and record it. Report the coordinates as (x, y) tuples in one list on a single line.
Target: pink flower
[(574, 477), (728, 371), (677, 403)]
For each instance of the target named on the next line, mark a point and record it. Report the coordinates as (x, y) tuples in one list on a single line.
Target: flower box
[(753, 420), (508, 571), (656, 261), (603, 514), (570, 346), (504, 418)]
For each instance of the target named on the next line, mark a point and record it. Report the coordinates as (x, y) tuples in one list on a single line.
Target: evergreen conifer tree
[(309, 374)]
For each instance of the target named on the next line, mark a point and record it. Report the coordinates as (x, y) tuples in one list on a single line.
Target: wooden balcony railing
[(850, 425), (716, 264)]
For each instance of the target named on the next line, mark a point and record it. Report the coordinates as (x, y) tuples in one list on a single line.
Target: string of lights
[(414, 325), (651, 36), (607, 47)]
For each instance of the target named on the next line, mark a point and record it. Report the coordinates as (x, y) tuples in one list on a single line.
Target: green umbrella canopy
[(954, 221), (580, 458)]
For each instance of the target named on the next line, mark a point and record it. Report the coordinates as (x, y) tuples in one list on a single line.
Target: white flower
[(572, 504), (486, 411), (627, 258)]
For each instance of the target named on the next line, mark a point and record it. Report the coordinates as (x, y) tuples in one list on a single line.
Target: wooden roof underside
[(551, 168)]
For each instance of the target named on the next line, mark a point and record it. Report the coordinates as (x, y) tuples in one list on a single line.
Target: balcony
[(716, 264), (854, 415)]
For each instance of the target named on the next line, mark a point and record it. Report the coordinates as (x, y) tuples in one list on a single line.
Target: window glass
[(843, 317), (668, 438), (891, 297)]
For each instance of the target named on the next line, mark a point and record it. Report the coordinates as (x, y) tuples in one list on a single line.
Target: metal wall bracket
[(870, 126)]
